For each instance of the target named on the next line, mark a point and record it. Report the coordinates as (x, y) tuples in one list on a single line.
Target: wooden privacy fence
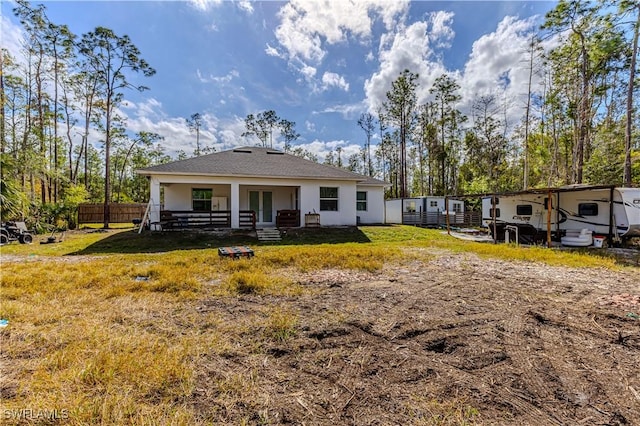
[(118, 213)]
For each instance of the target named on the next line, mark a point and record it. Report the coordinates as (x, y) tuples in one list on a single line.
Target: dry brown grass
[(117, 338), (114, 339)]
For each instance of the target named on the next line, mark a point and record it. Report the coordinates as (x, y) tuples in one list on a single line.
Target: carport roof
[(256, 162)]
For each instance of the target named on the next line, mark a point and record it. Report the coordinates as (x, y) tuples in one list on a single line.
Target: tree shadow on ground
[(160, 242)]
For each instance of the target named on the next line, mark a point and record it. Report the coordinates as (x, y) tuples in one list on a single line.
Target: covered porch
[(184, 205)]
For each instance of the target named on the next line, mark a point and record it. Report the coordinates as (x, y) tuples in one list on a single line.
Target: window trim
[(324, 200), (359, 202)]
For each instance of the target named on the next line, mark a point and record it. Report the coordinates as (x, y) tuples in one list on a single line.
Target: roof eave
[(164, 173)]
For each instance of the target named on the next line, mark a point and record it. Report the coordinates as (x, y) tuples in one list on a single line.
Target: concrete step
[(269, 234)]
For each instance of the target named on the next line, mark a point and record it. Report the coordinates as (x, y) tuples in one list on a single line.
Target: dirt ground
[(453, 340)]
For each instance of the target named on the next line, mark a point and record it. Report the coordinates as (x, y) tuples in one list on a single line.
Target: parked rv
[(606, 210)]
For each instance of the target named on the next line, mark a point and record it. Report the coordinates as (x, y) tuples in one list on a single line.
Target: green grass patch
[(281, 324)]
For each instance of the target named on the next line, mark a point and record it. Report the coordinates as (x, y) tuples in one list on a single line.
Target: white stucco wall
[(375, 212), (310, 202), (393, 211), (177, 196)]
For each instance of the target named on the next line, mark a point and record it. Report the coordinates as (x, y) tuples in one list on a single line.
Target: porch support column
[(154, 199), (235, 205)]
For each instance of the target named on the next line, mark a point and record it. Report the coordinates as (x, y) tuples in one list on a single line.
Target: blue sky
[(318, 63)]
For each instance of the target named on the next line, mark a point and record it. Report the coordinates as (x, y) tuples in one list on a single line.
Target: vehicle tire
[(25, 239), (4, 239)]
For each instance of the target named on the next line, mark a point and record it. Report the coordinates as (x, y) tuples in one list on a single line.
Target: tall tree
[(3, 138), (487, 149), (86, 90), (111, 57), (263, 124), (34, 22), (288, 132), (400, 108), (425, 140), (591, 45), (630, 7), (367, 124), (533, 52), (194, 123), (449, 120), (60, 47), (143, 140)]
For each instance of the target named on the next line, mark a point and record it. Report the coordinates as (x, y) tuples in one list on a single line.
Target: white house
[(266, 182)]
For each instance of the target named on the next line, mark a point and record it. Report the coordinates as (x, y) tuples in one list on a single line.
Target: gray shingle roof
[(256, 162)]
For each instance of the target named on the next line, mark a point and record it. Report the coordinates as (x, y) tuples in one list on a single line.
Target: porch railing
[(440, 219), (184, 219)]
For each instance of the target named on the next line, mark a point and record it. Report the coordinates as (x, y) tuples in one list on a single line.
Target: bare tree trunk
[(525, 172), (583, 130), (627, 132), (2, 104)]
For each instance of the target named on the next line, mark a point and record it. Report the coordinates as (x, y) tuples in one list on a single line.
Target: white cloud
[(331, 79), (409, 48), (218, 132), (307, 27), (311, 127), (322, 148), (217, 79), (227, 78), (498, 66), (348, 111), (369, 57), (149, 116), (272, 51), (441, 32), (308, 72), (151, 108), (246, 6), (204, 5), (12, 38)]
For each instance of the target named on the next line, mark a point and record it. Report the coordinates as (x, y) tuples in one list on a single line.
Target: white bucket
[(598, 241)]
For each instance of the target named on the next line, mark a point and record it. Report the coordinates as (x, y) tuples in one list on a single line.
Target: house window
[(201, 199), (588, 209), (433, 203), (457, 207), (328, 199), (361, 201), (495, 212), (410, 206), (524, 210), (546, 203)]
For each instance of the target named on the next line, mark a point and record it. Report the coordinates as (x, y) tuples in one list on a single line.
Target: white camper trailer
[(610, 211)]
